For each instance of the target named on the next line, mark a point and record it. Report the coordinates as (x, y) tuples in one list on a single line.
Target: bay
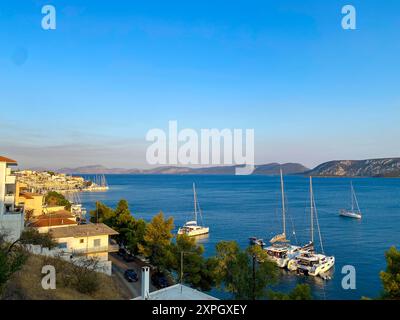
[(236, 207)]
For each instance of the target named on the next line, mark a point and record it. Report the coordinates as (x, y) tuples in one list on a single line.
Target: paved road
[(119, 266)]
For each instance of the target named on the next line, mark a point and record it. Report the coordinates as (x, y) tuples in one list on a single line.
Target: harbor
[(236, 207), (45, 181)]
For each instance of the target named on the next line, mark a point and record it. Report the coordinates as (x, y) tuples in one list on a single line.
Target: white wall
[(3, 167), (10, 224), (103, 266), (87, 245)]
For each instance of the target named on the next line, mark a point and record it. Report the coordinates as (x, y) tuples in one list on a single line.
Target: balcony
[(9, 199), (16, 210), (10, 179), (109, 248)]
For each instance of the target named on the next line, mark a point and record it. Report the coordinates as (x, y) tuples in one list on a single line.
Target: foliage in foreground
[(131, 230), (244, 273), (198, 271), (13, 255), (391, 276), (300, 292), (72, 282), (10, 261)]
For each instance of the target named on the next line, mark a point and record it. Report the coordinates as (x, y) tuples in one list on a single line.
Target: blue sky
[(87, 92)]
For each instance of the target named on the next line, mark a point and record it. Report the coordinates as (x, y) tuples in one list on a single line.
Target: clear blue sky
[(87, 92)]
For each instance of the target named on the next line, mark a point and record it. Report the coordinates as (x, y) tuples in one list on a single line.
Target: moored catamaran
[(191, 228), (281, 251), (309, 262)]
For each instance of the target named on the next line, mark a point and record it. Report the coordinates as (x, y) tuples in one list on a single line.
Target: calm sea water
[(236, 207)]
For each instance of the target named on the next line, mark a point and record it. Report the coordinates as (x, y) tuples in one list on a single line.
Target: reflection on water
[(202, 238)]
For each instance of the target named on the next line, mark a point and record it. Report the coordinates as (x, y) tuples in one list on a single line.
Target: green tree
[(198, 271), (157, 242), (131, 230), (300, 292), (134, 235), (53, 198), (123, 222), (102, 214), (244, 273), (32, 236), (391, 277)]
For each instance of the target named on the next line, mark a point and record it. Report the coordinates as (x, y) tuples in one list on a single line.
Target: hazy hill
[(388, 167), (265, 169)]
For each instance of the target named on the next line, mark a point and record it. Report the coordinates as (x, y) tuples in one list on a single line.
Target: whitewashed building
[(11, 216)]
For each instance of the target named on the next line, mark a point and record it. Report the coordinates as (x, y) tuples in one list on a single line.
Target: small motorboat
[(257, 242)]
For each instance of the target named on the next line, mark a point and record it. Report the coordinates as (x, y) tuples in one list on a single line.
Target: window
[(96, 242), (81, 240), (62, 245)]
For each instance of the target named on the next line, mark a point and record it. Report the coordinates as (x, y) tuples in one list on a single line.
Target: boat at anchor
[(355, 211), (281, 251), (308, 262), (192, 228)]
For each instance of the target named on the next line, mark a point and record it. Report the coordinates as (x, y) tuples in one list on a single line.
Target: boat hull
[(193, 233), (282, 261), (314, 271), (350, 214), (324, 267)]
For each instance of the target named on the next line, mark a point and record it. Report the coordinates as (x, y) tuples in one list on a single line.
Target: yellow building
[(52, 209), (32, 202)]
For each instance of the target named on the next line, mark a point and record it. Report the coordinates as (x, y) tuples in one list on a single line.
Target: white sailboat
[(281, 251), (191, 228), (309, 262), (354, 212), (99, 183)]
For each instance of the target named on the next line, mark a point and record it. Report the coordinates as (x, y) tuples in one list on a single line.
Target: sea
[(238, 207)]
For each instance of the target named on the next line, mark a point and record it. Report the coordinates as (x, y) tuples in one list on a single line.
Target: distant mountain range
[(388, 167), (265, 169)]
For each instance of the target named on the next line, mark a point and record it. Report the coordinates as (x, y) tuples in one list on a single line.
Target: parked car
[(131, 275), (129, 257), (159, 280)]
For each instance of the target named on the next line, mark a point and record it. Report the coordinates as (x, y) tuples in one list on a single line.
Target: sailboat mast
[(283, 204), (312, 210), (195, 202), (352, 196)]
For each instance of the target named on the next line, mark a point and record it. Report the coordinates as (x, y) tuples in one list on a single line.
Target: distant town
[(44, 181)]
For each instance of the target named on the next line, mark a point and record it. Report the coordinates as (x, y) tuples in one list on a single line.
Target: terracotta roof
[(26, 196), (8, 160), (29, 195), (52, 222), (83, 230), (62, 214)]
